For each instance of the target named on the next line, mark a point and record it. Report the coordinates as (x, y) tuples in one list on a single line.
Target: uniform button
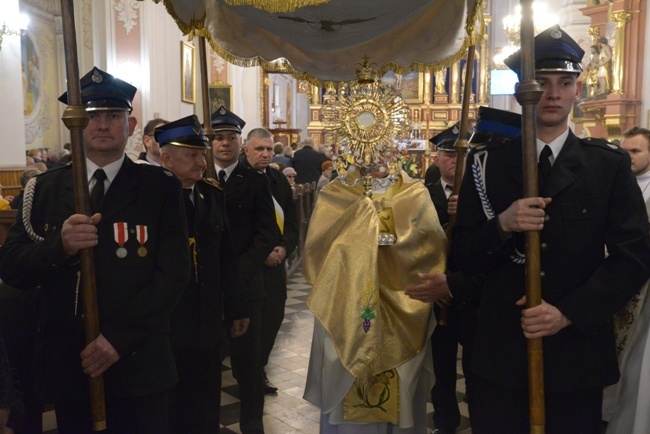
[(544, 246), (584, 211), (547, 217), (543, 274)]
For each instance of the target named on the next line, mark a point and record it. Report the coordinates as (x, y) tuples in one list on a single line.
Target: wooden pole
[(210, 171), (461, 143), (528, 95), (76, 119), (461, 151)]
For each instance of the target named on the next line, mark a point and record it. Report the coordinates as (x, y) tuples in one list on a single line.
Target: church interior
[(192, 57)]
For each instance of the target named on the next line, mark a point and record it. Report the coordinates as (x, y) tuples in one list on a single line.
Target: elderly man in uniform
[(214, 290), (139, 237), (588, 200), (250, 210)]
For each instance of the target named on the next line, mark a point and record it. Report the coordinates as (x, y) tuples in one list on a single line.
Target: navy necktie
[(97, 194), (544, 168), (189, 210)]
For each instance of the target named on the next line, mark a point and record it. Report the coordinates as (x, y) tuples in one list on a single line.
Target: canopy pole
[(210, 171), (76, 119), (528, 94), (461, 151)]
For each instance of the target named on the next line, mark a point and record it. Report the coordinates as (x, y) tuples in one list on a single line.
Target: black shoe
[(269, 389)]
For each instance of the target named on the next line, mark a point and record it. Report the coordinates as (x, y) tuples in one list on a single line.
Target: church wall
[(12, 151)]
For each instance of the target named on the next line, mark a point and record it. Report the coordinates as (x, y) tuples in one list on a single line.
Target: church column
[(621, 18)]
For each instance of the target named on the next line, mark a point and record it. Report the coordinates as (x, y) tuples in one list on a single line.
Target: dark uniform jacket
[(215, 287), (463, 288), (596, 203), (252, 217), (136, 294)]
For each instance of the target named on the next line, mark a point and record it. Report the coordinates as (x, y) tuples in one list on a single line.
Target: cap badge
[(556, 34), (97, 77), (455, 130), (197, 131), (222, 111)]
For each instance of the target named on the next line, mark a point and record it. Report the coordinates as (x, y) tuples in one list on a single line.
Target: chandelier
[(19, 28), (542, 20)]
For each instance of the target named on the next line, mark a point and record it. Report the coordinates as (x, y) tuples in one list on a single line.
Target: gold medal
[(142, 235), (121, 253)]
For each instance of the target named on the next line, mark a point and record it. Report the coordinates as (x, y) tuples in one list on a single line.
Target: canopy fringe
[(196, 27)]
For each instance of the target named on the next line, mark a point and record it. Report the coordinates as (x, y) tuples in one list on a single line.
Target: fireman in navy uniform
[(589, 201), (251, 213), (139, 237), (214, 290)]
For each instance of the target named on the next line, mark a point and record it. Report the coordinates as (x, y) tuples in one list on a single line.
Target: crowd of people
[(189, 269)]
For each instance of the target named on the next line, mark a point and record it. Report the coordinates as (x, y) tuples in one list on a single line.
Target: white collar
[(556, 145), (228, 169), (444, 185), (151, 161), (111, 171)]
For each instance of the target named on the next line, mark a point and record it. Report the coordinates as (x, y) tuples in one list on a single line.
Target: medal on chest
[(121, 234), (142, 236)]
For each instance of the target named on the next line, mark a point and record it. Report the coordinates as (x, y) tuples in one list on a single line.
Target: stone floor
[(286, 412)]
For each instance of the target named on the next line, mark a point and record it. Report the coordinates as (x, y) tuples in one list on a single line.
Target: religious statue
[(605, 67), (440, 77), (590, 77)]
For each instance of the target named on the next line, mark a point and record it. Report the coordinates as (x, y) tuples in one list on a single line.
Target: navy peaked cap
[(225, 120), (185, 132), (446, 139), (555, 51), (101, 91), (494, 123)]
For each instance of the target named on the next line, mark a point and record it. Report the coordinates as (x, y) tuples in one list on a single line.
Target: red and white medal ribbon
[(121, 234), (142, 234)]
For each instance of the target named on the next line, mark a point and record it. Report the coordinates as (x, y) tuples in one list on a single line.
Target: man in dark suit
[(444, 340), (589, 202), (259, 149), (214, 290), (465, 290), (151, 153), (251, 213), (139, 238), (307, 162)]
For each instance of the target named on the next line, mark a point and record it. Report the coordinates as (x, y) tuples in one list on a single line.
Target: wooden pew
[(7, 218)]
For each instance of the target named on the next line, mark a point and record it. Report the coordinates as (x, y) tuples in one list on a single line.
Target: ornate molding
[(134, 145), (127, 13), (39, 119), (621, 18), (594, 33), (219, 65), (47, 6), (596, 112), (87, 23)]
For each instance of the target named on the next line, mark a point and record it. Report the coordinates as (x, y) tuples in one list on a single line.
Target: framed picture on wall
[(410, 85), (220, 95), (188, 84), (413, 87)]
